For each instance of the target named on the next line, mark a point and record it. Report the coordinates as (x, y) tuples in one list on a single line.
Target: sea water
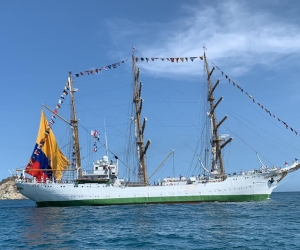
[(268, 224)]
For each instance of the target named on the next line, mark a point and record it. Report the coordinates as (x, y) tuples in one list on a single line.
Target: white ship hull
[(243, 187)]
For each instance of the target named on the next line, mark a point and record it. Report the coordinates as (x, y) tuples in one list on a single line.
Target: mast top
[(217, 161), (138, 103), (74, 123)]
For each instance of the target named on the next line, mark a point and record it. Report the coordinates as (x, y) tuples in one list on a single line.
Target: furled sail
[(47, 160)]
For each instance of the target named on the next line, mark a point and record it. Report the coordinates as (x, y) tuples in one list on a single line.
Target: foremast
[(138, 103), (76, 160), (217, 161)]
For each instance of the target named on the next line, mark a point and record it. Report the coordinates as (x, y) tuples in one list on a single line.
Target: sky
[(255, 43)]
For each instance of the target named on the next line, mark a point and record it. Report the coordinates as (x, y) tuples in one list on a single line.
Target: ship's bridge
[(104, 167)]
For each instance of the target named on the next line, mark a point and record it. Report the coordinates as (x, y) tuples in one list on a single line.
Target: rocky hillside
[(8, 190)]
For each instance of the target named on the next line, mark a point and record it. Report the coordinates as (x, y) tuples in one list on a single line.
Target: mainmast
[(74, 122), (217, 163), (138, 102)]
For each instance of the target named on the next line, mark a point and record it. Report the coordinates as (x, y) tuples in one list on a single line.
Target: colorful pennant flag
[(170, 59), (97, 70), (255, 101), (95, 147), (95, 134)]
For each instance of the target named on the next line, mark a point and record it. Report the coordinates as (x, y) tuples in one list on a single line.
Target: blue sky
[(256, 44)]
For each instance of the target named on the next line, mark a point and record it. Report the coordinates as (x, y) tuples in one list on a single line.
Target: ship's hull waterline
[(233, 189)]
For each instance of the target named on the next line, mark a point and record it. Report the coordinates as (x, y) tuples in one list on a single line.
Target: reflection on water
[(46, 225)]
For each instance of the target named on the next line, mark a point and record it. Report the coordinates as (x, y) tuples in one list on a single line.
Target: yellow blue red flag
[(47, 160)]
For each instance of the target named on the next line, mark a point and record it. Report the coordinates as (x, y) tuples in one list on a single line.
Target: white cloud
[(236, 35)]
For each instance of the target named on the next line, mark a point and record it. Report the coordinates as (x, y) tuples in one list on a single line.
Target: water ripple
[(248, 225)]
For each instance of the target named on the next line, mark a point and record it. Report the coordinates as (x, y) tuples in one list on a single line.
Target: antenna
[(106, 147)]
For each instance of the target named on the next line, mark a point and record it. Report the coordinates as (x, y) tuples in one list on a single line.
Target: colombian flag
[(46, 160)]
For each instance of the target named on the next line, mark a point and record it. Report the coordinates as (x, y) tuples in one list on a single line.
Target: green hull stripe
[(152, 200)]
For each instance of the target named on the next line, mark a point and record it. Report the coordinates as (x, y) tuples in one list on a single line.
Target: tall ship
[(52, 179)]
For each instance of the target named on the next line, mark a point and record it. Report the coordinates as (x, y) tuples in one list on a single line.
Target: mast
[(217, 163), (138, 102), (74, 123)]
